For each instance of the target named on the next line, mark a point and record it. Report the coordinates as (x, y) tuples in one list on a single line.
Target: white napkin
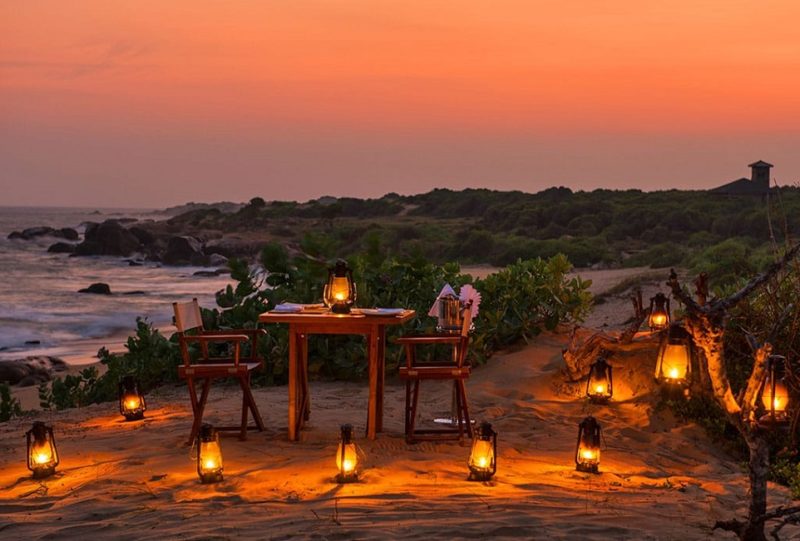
[(446, 290), (469, 293)]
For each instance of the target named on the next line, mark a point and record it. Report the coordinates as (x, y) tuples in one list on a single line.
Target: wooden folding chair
[(455, 369), (190, 329)]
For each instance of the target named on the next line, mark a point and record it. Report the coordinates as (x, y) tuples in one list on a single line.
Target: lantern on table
[(42, 451), (347, 456), (674, 362), (131, 400), (587, 451), (659, 312), (775, 392), (483, 457), (340, 291), (209, 455), (600, 386)]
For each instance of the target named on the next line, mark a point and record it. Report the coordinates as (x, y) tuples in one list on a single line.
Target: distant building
[(757, 184)]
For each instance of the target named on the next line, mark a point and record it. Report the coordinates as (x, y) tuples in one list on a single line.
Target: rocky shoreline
[(151, 241), (31, 370)]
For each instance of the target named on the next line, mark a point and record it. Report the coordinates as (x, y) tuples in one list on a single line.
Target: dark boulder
[(107, 238), (217, 260), (32, 232), (233, 247), (184, 251), (145, 237), (61, 248), (98, 289), (30, 370), (66, 233)]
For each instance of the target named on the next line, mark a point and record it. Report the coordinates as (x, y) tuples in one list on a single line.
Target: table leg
[(305, 395), (381, 376), (292, 383), (374, 369)]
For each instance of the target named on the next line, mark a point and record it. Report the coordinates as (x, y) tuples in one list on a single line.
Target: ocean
[(41, 311)]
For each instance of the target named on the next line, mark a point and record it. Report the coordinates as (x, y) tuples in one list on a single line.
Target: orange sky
[(141, 103)]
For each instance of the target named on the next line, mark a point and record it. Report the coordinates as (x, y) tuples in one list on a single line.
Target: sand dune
[(659, 480)]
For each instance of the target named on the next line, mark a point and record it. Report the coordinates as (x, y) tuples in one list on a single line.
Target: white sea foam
[(39, 299)]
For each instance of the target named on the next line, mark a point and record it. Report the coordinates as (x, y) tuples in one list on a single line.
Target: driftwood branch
[(580, 354)]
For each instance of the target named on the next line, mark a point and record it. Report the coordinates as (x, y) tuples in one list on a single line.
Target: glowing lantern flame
[(483, 456), (347, 456)]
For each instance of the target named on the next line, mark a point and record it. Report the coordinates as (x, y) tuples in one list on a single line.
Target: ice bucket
[(450, 319)]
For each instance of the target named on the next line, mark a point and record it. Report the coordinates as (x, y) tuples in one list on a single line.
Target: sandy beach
[(659, 479)]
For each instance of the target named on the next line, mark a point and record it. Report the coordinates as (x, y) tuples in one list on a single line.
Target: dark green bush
[(9, 406)]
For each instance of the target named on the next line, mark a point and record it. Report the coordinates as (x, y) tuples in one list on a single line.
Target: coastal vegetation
[(518, 303)]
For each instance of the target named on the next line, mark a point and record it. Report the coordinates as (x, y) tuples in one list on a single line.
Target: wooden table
[(303, 324)]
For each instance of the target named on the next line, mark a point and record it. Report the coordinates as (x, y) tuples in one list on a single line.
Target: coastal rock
[(107, 238), (66, 233), (184, 251), (233, 247), (145, 237), (61, 248), (216, 272), (44, 231), (30, 370), (217, 260), (98, 289)]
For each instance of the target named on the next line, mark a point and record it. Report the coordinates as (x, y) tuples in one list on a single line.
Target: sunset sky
[(153, 103)]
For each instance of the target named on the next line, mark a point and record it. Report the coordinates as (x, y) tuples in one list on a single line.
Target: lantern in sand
[(587, 451), (42, 451), (347, 456), (600, 386), (775, 392), (340, 291), (659, 312), (674, 362), (209, 455), (131, 400), (483, 457)]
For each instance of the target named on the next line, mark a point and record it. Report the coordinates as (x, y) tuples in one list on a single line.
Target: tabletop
[(319, 316)]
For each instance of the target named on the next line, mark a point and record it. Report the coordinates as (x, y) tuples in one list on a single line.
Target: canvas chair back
[(187, 316)]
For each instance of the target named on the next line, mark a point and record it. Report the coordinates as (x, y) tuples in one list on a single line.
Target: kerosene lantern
[(674, 362), (600, 385), (587, 451), (209, 455), (131, 400), (775, 393), (483, 457), (347, 456), (659, 312), (340, 291), (42, 451)]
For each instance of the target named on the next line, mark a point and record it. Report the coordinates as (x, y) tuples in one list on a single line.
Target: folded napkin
[(446, 290), (467, 293)]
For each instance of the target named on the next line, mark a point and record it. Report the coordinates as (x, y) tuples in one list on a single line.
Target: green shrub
[(151, 358), (9, 406)]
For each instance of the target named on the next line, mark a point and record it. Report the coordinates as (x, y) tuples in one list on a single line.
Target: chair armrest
[(428, 339), (217, 338), (249, 332)]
